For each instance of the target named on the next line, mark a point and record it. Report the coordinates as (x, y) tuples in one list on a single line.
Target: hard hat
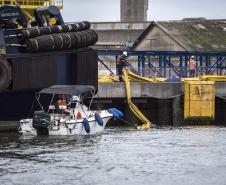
[(124, 53), (193, 57)]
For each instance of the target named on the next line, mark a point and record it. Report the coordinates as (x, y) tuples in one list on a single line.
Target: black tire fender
[(5, 74)]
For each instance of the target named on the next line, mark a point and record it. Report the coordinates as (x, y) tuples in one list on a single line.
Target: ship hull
[(35, 71)]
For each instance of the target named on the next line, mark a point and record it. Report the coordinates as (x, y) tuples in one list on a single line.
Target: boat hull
[(66, 129), (32, 72), (79, 129)]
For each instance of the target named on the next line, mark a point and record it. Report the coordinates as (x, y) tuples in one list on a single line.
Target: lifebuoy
[(5, 74)]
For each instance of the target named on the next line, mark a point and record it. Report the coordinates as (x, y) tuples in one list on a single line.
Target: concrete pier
[(162, 103), (149, 90)]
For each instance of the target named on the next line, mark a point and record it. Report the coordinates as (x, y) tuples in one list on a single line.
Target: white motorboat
[(67, 116)]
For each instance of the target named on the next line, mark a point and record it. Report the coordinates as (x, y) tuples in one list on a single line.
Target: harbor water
[(195, 155)]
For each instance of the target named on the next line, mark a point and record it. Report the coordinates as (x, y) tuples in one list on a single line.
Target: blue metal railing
[(168, 63)]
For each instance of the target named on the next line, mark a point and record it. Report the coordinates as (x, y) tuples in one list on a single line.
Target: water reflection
[(119, 156)]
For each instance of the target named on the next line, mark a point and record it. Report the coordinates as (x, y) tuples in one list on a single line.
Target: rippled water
[(119, 156)]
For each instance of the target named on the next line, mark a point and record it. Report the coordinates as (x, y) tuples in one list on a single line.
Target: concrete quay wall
[(162, 103), (151, 90)]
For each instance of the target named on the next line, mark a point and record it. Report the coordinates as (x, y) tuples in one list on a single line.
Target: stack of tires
[(61, 37)]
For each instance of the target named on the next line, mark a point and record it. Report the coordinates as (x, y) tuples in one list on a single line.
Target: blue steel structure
[(163, 63)]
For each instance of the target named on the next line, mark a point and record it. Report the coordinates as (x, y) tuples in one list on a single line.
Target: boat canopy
[(68, 89)]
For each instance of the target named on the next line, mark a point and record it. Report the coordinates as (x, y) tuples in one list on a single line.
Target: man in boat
[(62, 103)]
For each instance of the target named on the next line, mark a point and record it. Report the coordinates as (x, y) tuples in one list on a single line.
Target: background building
[(184, 35), (134, 10)]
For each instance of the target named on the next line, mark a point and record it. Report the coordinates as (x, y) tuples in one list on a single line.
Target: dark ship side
[(37, 50)]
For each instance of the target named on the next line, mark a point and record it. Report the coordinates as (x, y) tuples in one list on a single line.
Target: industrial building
[(133, 10), (188, 35), (183, 35)]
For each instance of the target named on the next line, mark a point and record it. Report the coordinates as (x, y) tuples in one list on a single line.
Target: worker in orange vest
[(192, 67)]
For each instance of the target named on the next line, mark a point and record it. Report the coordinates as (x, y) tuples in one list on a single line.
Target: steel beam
[(166, 65)]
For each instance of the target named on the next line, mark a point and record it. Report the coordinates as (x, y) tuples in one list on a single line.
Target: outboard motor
[(41, 122)]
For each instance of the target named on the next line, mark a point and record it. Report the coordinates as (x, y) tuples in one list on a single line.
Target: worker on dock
[(120, 64), (192, 67)]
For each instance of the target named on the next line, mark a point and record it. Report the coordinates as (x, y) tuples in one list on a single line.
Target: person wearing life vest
[(120, 64), (192, 67)]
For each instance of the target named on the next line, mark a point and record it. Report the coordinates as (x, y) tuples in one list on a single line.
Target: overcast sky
[(109, 10)]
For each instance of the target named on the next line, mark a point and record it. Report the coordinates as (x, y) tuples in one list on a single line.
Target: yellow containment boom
[(133, 77), (108, 79), (214, 78), (138, 78), (127, 76)]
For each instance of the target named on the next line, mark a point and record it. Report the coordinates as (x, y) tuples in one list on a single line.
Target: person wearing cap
[(192, 67), (120, 64)]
